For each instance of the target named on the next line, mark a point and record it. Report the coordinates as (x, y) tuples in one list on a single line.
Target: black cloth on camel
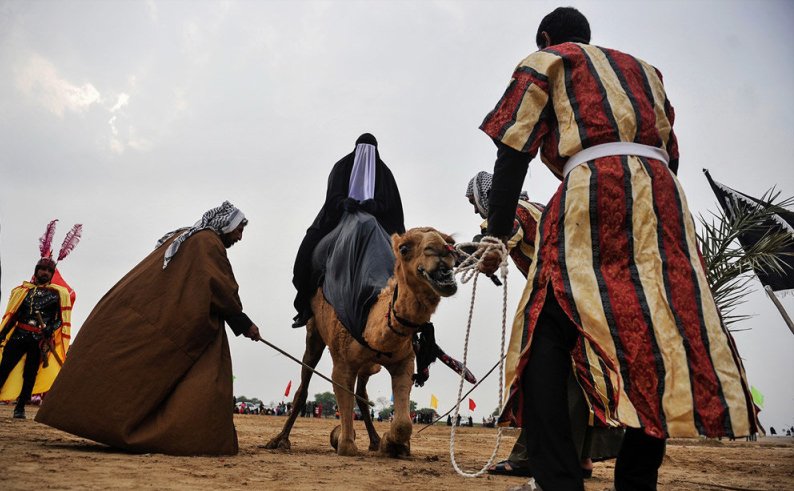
[(353, 263)]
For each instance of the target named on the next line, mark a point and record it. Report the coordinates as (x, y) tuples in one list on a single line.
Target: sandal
[(507, 468)]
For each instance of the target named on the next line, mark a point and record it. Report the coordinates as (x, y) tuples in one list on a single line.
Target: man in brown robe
[(150, 370)]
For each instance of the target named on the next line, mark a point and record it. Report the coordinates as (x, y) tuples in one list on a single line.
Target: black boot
[(19, 412), (302, 318)]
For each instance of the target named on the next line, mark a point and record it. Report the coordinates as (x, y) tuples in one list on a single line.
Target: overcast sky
[(133, 118)]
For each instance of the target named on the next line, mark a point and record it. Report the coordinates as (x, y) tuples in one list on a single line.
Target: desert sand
[(34, 456)]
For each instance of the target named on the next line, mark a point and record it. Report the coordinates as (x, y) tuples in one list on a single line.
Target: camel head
[(424, 261)]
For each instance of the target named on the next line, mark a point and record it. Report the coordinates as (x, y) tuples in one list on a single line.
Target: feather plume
[(45, 242), (70, 241)]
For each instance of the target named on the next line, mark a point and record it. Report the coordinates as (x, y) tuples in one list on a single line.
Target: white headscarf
[(222, 220), (362, 177)]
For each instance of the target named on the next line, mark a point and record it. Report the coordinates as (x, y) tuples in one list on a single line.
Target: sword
[(455, 365), (47, 346)]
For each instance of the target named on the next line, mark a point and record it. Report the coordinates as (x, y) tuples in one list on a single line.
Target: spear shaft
[(336, 384)]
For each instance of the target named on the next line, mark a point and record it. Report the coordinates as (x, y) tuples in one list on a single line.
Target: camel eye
[(404, 249)]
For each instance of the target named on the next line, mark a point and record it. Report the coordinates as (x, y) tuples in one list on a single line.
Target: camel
[(423, 274)]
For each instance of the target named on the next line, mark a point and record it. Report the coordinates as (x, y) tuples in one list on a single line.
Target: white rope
[(469, 269)]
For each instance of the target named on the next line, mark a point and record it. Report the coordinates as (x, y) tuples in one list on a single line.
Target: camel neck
[(409, 307)]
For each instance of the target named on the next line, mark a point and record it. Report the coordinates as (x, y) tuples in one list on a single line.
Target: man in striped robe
[(591, 443), (618, 283)]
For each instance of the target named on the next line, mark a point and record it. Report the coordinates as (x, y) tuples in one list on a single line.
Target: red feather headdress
[(45, 242), (70, 241)]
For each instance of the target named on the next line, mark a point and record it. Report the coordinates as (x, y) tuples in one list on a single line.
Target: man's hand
[(252, 333), (490, 263)]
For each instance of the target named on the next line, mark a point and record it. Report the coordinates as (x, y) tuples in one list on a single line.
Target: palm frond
[(730, 267)]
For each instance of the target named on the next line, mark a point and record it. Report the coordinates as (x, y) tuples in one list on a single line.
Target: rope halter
[(468, 269)]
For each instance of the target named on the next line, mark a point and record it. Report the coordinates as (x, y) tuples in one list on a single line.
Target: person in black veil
[(360, 180)]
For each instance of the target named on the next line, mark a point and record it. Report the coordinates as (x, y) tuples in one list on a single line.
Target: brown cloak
[(150, 370)]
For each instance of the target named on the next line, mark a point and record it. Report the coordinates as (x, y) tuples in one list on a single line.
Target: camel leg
[(397, 441), (311, 356), (361, 391), (345, 377)]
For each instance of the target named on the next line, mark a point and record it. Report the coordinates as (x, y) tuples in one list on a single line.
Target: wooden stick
[(463, 397), (365, 401), (768, 290), (720, 486)]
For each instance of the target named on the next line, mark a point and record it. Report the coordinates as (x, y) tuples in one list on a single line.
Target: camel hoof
[(393, 449), (347, 449), (335, 436), (278, 443), (374, 444)]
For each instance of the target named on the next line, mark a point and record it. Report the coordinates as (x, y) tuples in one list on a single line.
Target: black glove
[(350, 205), (369, 205)]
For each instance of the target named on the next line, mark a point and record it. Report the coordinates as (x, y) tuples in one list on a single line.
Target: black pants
[(553, 459), (12, 353)]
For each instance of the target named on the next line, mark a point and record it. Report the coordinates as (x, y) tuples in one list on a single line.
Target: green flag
[(758, 397)]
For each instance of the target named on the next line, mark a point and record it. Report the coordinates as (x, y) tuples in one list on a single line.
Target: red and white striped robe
[(617, 248)]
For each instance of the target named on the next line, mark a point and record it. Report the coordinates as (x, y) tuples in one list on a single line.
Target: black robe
[(386, 207)]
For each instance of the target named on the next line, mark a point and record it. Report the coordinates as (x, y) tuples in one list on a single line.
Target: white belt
[(615, 148)]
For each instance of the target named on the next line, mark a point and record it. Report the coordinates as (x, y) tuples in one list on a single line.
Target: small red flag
[(472, 405), (289, 386)]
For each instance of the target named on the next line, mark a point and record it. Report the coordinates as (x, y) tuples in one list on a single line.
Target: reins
[(401, 320), (468, 270), (424, 346)]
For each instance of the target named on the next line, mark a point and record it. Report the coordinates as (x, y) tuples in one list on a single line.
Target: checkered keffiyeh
[(479, 187), (222, 220)]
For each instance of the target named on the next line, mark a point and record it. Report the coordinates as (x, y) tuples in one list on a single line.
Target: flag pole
[(779, 306)]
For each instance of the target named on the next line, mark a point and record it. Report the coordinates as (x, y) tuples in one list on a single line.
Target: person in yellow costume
[(35, 329), (37, 319)]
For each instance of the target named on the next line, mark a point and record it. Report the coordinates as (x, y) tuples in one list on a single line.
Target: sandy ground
[(34, 456)]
